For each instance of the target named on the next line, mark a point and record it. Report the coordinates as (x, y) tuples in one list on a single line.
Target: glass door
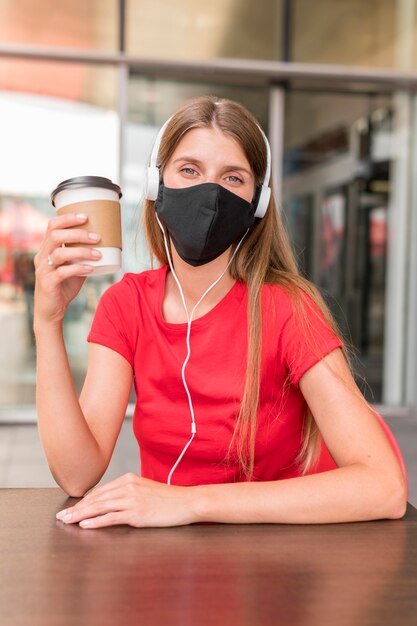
[(336, 194)]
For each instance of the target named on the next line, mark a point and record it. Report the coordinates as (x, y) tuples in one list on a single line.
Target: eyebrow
[(191, 159)]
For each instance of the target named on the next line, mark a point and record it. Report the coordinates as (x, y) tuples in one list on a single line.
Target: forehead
[(210, 145)]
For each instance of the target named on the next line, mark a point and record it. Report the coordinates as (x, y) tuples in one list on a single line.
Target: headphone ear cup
[(152, 183), (263, 201)]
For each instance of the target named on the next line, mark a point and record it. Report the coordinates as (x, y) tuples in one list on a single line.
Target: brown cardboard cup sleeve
[(103, 218)]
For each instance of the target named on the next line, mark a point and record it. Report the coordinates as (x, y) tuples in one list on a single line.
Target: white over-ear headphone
[(152, 181), (265, 189)]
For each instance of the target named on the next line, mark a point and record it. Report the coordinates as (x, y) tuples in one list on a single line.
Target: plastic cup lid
[(85, 181)]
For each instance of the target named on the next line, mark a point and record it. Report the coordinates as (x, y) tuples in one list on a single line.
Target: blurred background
[(84, 87)]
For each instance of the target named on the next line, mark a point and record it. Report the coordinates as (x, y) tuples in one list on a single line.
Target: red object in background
[(22, 229), (378, 232)]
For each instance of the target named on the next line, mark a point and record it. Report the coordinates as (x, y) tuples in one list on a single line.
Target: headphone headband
[(152, 183)]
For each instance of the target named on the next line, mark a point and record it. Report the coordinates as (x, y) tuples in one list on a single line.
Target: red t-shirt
[(129, 320)]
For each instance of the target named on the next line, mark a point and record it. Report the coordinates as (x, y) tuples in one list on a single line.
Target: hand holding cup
[(72, 249), (99, 199)]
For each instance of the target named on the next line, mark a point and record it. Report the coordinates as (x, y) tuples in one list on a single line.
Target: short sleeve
[(113, 324), (306, 338)]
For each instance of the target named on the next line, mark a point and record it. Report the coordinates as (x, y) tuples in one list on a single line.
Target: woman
[(227, 384)]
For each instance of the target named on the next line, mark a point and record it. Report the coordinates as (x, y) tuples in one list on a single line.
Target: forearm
[(347, 494), (63, 430)]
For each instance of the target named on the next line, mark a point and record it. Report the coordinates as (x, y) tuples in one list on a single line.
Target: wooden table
[(357, 574)]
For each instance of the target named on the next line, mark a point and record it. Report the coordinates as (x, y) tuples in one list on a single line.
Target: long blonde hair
[(265, 256)]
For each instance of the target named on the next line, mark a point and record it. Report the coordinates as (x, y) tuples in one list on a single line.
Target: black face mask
[(203, 220)]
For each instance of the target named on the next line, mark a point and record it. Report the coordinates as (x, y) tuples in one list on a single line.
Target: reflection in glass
[(75, 24), (47, 137), (204, 30), (377, 266), (338, 150), (375, 33), (300, 217), (333, 230)]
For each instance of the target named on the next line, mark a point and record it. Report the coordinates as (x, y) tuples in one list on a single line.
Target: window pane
[(204, 30), (375, 33), (62, 124), (91, 24), (336, 191)]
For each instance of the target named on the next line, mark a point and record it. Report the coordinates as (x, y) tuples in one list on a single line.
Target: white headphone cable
[(189, 320)]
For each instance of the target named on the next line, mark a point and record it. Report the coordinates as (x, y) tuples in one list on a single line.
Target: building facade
[(85, 85)]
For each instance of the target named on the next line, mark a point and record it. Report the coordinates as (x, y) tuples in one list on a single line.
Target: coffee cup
[(98, 198)]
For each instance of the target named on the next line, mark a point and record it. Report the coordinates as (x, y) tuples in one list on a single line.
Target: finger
[(71, 235), (65, 255), (63, 272), (68, 220), (109, 519), (96, 500), (75, 531), (49, 280), (76, 514)]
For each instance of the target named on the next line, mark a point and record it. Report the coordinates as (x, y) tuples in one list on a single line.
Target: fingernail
[(93, 236), (60, 514), (96, 254), (81, 216), (85, 522), (67, 517)]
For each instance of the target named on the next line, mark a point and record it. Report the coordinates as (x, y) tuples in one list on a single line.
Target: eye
[(189, 171), (234, 179)]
